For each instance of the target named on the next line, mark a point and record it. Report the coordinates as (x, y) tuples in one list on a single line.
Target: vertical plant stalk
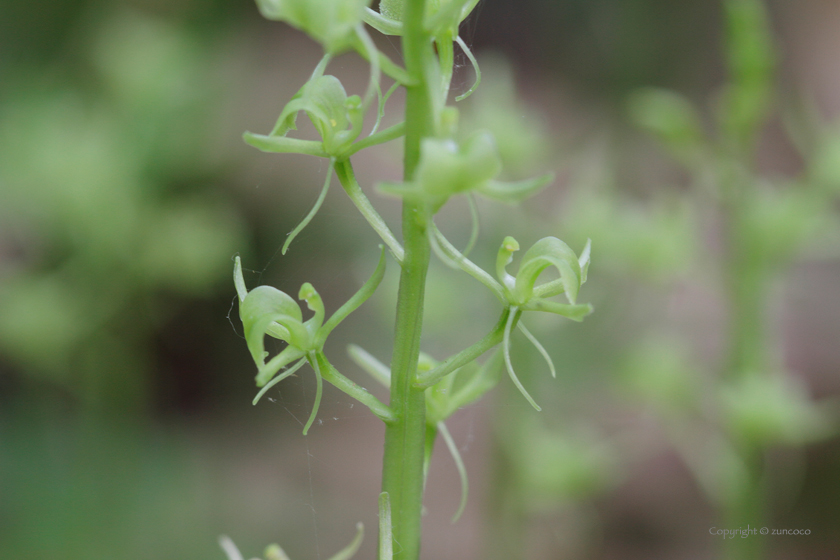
[(402, 471), (748, 356)]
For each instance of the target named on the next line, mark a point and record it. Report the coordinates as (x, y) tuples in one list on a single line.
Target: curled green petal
[(459, 464), (319, 391), (278, 379), (503, 258), (476, 225), (474, 63), (315, 304), (585, 258), (305, 222), (540, 348), (261, 308), (351, 549), (238, 280), (548, 251), (506, 350)]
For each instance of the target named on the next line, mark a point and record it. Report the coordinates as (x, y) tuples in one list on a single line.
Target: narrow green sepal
[(573, 312), (319, 391), (514, 192), (509, 365), (277, 379), (283, 145), (239, 280), (459, 464), (275, 364), (308, 218), (351, 549), (584, 260)]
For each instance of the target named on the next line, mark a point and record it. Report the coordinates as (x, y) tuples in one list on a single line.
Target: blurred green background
[(126, 429)]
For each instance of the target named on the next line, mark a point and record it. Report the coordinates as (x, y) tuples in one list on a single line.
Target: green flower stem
[(402, 473), (381, 23), (386, 541), (390, 133), (467, 265), (446, 52), (335, 378), (747, 506), (747, 281), (348, 180), (393, 70), (319, 390), (428, 378), (402, 470), (386, 65)]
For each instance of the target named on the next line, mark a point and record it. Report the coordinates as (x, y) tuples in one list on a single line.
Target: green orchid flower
[(442, 20), (447, 168), (332, 23), (522, 293), (441, 15), (518, 294), (459, 388), (268, 311), (336, 116)]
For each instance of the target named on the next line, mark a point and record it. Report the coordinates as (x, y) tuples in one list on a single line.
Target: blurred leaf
[(659, 372), (672, 118), (763, 410)]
